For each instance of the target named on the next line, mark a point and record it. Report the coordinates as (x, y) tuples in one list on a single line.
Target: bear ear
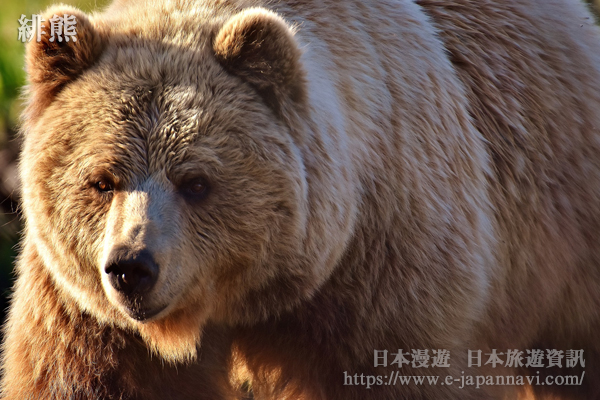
[(259, 47), (51, 63)]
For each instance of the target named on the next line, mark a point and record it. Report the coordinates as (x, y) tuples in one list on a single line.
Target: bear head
[(165, 177)]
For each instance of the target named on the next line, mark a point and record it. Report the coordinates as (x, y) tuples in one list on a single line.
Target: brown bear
[(303, 199)]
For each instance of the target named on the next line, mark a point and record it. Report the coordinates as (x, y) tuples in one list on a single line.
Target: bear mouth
[(142, 314)]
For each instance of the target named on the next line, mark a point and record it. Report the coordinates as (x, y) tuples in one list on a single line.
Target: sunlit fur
[(382, 175)]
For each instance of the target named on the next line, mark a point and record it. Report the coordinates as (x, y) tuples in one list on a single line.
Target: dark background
[(12, 78)]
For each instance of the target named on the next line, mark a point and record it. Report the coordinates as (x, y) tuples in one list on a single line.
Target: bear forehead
[(141, 101)]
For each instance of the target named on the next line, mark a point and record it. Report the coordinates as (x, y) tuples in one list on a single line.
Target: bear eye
[(195, 189), (104, 186)]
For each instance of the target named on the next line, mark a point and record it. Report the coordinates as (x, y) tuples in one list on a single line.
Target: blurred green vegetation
[(12, 78)]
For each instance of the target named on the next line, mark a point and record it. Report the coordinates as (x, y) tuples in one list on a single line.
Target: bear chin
[(175, 338)]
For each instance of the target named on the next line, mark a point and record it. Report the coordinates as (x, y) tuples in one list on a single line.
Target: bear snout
[(133, 277)]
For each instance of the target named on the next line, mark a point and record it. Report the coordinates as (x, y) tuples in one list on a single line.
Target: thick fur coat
[(298, 184)]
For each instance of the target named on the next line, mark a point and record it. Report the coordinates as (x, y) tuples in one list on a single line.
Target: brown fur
[(380, 176)]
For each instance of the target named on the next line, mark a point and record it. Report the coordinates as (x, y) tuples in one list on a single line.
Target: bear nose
[(133, 276)]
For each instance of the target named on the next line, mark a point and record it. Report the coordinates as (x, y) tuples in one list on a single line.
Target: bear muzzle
[(133, 278)]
